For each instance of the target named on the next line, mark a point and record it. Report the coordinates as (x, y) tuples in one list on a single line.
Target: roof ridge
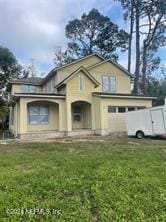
[(67, 64)]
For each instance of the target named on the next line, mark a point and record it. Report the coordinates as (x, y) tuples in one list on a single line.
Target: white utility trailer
[(146, 122)]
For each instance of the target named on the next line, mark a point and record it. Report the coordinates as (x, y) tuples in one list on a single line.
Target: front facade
[(87, 96)]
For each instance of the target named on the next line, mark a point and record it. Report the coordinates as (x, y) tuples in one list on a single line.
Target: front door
[(77, 116), (158, 124)]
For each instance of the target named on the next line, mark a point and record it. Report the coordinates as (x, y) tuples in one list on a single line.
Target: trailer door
[(158, 124)]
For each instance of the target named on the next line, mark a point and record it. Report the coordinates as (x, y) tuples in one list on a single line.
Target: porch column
[(104, 121), (23, 116), (62, 116), (68, 114)]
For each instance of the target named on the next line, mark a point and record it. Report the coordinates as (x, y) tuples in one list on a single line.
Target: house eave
[(123, 96), (40, 95)]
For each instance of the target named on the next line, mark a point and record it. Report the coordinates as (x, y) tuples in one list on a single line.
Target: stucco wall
[(123, 81), (116, 122), (63, 73)]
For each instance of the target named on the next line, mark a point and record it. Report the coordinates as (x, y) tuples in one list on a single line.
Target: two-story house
[(87, 96)]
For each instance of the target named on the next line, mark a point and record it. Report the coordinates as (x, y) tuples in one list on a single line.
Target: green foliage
[(62, 56), (109, 181), (95, 32), (4, 109), (9, 69), (157, 88)]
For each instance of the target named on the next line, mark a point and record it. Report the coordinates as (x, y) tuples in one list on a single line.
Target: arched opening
[(81, 115), (42, 116)]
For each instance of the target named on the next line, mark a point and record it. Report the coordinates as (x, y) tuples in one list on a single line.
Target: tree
[(95, 33), (156, 35), (62, 57), (9, 68), (157, 88), (4, 109), (137, 11), (132, 13)]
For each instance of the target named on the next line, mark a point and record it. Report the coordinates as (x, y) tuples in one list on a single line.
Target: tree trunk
[(144, 68), (130, 36), (137, 61)]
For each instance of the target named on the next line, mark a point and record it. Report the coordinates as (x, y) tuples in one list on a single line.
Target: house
[(87, 96)]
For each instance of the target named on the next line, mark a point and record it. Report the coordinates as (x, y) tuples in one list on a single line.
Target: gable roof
[(49, 75), (30, 80), (114, 63), (83, 69)]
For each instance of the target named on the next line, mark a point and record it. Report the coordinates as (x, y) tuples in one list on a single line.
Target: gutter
[(127, 97)]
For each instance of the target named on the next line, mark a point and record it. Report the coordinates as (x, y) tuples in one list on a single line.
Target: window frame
[(38, 114), (28, 88), (112, 107), (109, 77)]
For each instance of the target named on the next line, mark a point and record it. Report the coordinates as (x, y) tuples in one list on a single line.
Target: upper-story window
[(28, 89), (50, 85), (81, 82), (109, 83)]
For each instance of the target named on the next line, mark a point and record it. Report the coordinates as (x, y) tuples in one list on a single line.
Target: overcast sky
[(32, 28)]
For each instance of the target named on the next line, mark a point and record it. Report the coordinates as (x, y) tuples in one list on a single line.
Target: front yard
[(115, 180)]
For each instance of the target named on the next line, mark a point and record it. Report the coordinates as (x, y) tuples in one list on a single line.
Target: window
[(121, 109), (28, 89), (111, 109), (141, 107), (81, 82), (109, 83), (131, 108), (38, 114), (77, 113), (48, 87)]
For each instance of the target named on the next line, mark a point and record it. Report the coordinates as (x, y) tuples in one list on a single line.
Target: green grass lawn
[(116, 180)]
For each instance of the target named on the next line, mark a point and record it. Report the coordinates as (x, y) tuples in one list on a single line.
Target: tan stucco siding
[(64, 72), (123, 81), (116, 122), (72, 86), (16, 88), (96, 117), (53, 82), (62, 91)]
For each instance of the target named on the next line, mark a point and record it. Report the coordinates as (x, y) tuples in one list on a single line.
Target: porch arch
[(51, 115), (81, 115)]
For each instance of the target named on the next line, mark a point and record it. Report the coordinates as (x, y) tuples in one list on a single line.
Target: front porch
[(47, 118)]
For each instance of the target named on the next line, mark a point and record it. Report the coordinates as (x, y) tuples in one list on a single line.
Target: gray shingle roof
[(30, 80)]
